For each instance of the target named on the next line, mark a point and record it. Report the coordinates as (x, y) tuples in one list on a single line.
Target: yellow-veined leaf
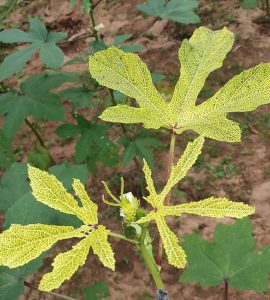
[(245, 92), (218, 128), (125, 72), (127, 114), (185, 162), (175, 253), (101, 246), (203, 53), (21, 244), (89, 206), (65, 265), (149, 217), (48, 190), (211, 207)]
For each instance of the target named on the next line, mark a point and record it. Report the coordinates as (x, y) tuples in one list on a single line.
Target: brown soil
[(252, 157)]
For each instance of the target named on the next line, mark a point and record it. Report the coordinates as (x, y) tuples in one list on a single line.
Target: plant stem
[(92, 18), (149, 261), (34, 287), (267, 8), (122, 237), (226, 288), (38, 136), (168, 198)]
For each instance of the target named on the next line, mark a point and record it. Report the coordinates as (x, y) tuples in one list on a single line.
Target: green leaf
[(15, 62), (231, 256), (51, 55), (249, 4), (181, 11), (39, 38), (36, 100), (78, 96), (40, 157), (6, 153), (12, 280), (97, 291), (140, 146)]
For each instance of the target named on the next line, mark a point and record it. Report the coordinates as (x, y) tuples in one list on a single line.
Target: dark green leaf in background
[(97, 291), (232, 256)]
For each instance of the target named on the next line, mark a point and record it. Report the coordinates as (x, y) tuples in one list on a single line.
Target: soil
[(249, 181)]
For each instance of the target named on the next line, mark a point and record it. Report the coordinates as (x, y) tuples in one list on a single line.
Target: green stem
[(168, 198), (32, 286), (149, 261), (38, 136), (92, 18), (122, 237)]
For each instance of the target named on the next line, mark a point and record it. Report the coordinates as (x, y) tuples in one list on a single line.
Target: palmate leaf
[(211, 207), (35, 98), (180, 11), (20, 244), (203, 53), (65, 265), (48, 190), (40, 39), (232, 256)]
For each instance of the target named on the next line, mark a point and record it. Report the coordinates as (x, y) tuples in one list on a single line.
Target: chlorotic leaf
[(175, 254), (211, 207), (88, 205), (101, 246), (48, 190), (232, 256), (126, 73), (185, 162), (21, 244), (203, 53), (65, 265)]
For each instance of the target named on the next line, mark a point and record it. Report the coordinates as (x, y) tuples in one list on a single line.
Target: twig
[(226, 288), (38, 136), (34, 287)]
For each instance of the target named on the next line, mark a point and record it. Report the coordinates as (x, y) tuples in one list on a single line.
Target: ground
[(239, 171)]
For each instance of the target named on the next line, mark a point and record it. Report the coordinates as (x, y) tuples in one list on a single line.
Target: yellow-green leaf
[(203, 53), (21, 244), (127, 114), (185, 162), (175, 253), (65, 265), (89, 206), (211, 207), (48, 190), (101, 247), (125, 72)]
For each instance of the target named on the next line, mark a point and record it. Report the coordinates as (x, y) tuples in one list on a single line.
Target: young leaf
[(212, 207), (21, 244), (38, 35), (175, 254), (48, 190), (203, 53), (101, 246), (186, 161), (65, 265), (232, 256)]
